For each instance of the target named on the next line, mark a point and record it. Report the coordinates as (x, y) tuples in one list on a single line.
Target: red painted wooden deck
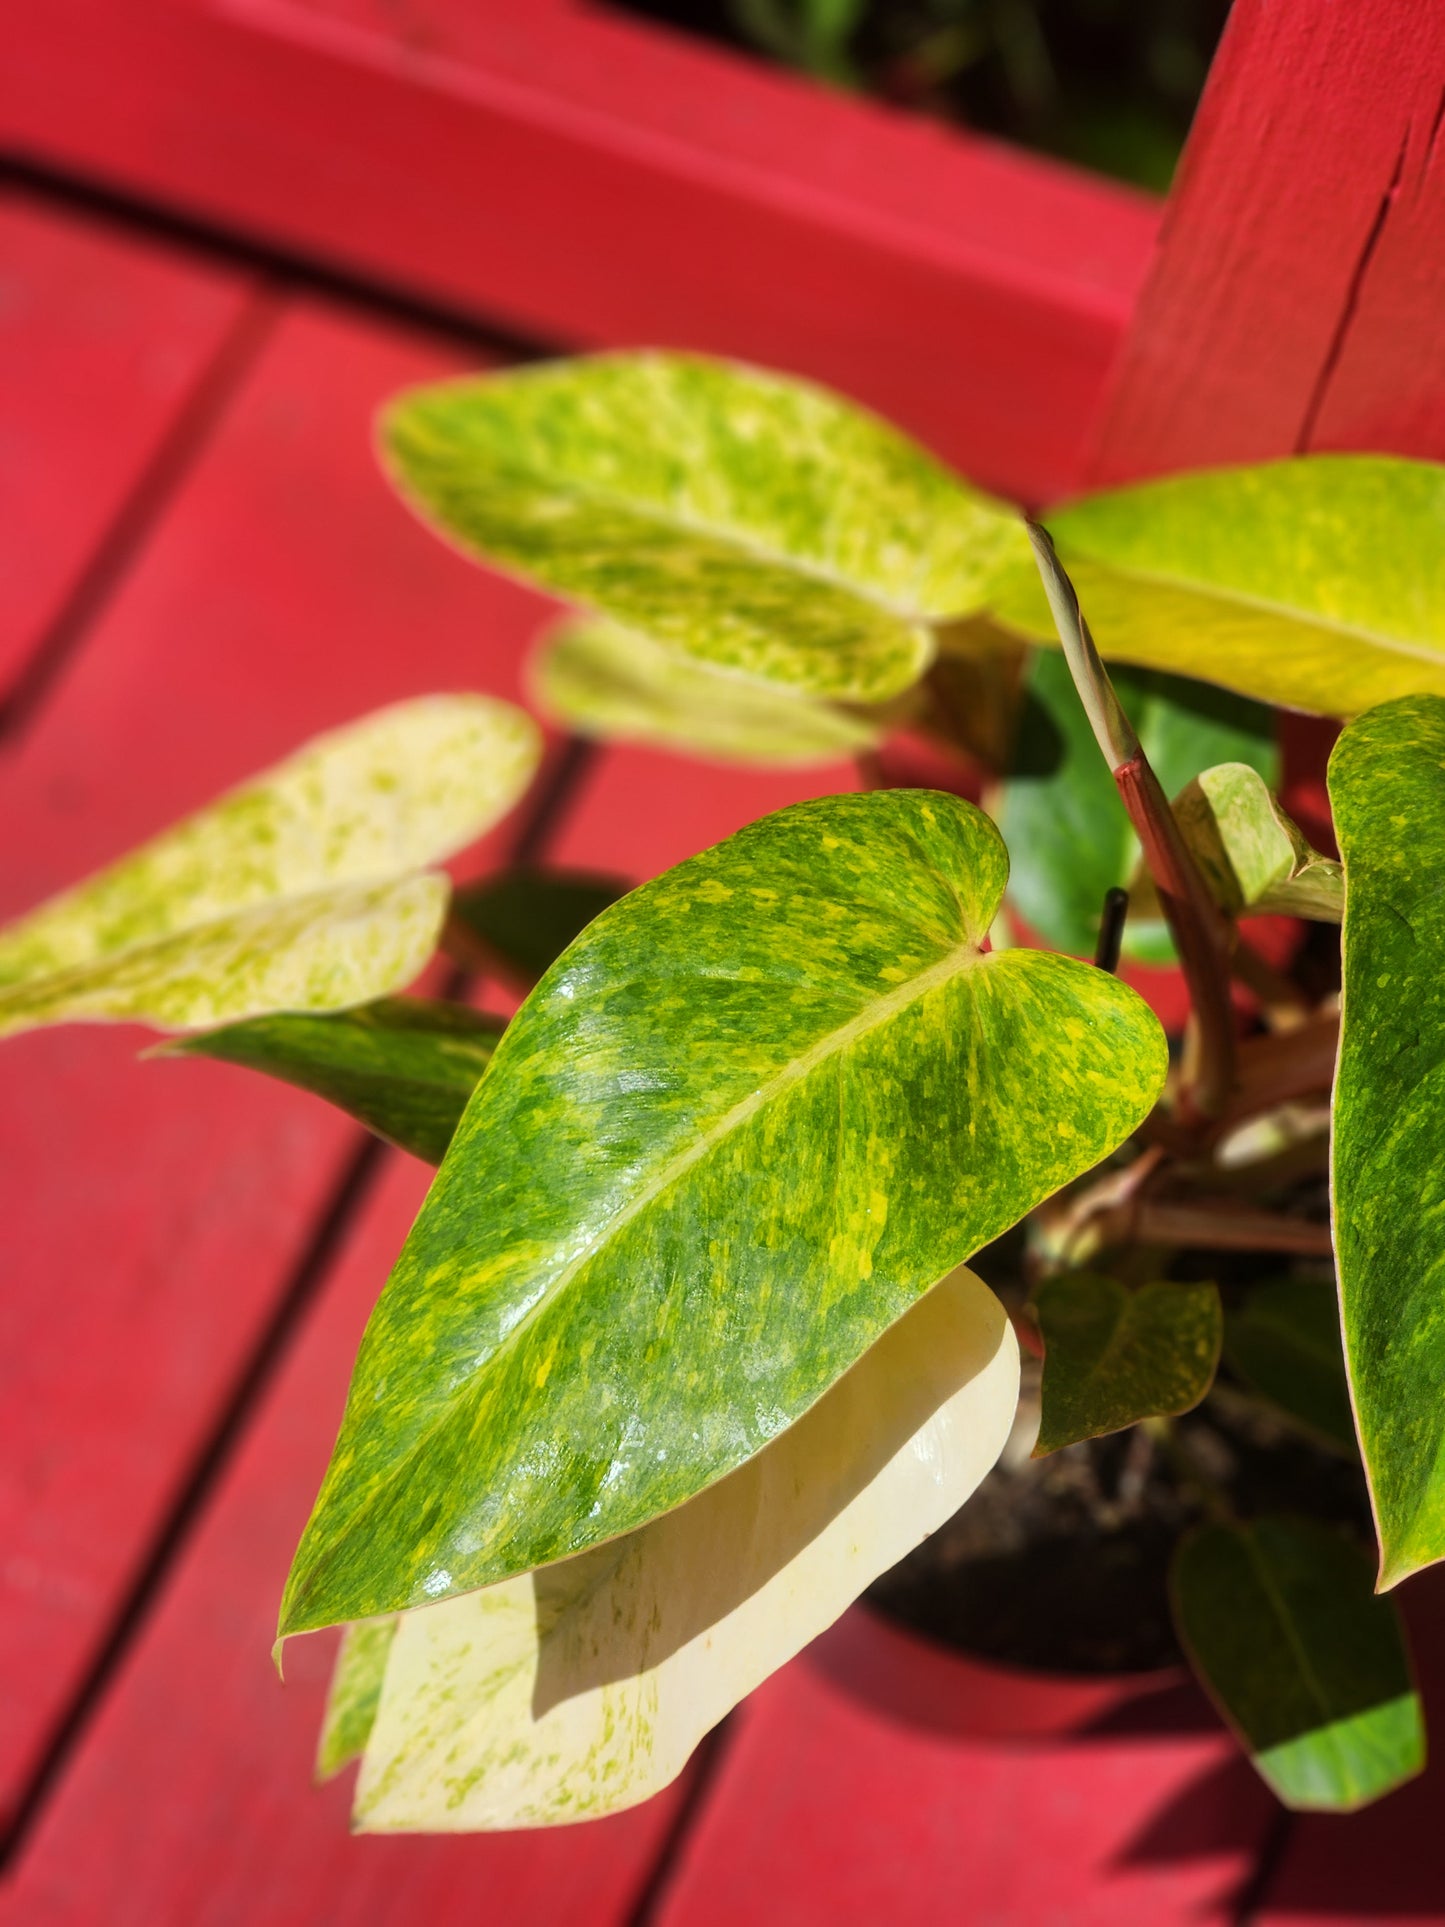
[(199, 566)]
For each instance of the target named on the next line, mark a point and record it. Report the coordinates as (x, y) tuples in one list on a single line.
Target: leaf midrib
[(1265, 605), (960, 958)]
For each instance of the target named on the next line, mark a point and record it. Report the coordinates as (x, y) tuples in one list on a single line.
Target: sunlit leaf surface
[(295, 891), (753, 521), (583, 1688), (1318, 583), (748, 1119)]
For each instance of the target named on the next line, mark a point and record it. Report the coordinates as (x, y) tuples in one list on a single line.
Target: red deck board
[(105, 343), (1298, 300), (153, 1212), (191, 1805), (833, 1811), (595, 179)]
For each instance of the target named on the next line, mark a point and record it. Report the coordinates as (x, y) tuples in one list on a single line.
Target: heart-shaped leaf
[(295, 891), (1387, 790), (1318, 583), (1113, 1357), (1254, 859), (354, 1695), (599, 679), (404, 1067), (1304, 1662), (521, 921), (1067, 831), (750, 1117), (583, 1688), (1284, 1342), (755, 522)]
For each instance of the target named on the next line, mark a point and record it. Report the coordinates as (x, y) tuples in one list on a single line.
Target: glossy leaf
[(1387, 790), (583, 1688), (1068, 834), (1284, 1342), (1113, 1357), (1318, 583), (755, 522), (522, 920), (354, 1694), (1305, 1663), (599, 679), (292, 892), (756, 1110), (1254, 859), (404, 1067)]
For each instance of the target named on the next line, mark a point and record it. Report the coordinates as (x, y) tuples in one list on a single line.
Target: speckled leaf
[(522, 920), (291, 892), (755, 522), (1113, 1357), (756, 1110), (354, 1694), (1318, 583), (1284, 1342), (583, 1688), (1067, 831), (1387, 789), (1306, 1665), (1254, 859), (602, 680), (404, 1066)]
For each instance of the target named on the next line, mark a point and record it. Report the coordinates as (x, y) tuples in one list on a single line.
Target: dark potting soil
[(1061, 1564)]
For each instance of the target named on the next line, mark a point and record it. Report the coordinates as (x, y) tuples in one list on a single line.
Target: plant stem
[(1201, 932), (1223, 1224)]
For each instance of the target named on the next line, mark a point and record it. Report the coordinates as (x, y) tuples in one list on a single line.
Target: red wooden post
[(1297, 299)]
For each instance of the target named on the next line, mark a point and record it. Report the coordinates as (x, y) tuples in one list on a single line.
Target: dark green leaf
[(1113, 1357), (524, 919), (1305, 1663), (1387, 787), (1066, 829), (405, 1067), (757, 1109), (1284, 1342)]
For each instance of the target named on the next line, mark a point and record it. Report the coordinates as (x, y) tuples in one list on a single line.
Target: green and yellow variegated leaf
[(1113, 1357), (581, 1689), (1254, 859), (1387, 790), (747, 1119), (295, 891), (1304, 1662), (602, 680), (1068, 834), (354, 1695), (755, 522), (1318, 583), (403, 1066)]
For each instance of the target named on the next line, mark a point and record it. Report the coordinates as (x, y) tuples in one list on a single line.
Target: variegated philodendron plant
[(683, 1350)]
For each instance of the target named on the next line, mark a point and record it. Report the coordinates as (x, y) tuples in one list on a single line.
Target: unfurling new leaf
[(756, 1111), (1254, 859), (1113, 1357), (583, 1688), (305, 889)]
